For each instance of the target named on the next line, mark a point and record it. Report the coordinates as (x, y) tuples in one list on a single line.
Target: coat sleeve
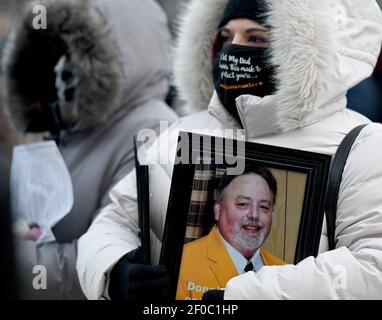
[(127, 164), (112, 234), (354, 269), (115, 230)]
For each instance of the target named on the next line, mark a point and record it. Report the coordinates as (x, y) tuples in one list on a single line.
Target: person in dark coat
[(95, 77)]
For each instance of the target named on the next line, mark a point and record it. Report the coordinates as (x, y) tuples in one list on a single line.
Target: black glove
[(213, 295), (132, 280)]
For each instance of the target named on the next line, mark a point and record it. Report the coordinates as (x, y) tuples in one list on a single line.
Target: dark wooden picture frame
[(143, 195), (314, 165)]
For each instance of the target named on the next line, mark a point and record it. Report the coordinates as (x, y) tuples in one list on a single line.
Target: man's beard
[(247, 241)]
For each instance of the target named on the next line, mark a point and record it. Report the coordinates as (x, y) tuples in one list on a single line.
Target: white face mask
[(41, 187)]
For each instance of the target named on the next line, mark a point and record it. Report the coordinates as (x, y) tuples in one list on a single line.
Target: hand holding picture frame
[(222, 222)]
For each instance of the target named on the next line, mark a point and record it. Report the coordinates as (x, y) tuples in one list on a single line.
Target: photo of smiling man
[(243, 213)]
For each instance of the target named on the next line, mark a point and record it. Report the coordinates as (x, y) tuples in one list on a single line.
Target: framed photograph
[(237, 206)]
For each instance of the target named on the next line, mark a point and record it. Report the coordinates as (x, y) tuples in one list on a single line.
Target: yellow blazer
[(206, 264)]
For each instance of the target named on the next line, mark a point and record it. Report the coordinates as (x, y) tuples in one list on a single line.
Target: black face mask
[(240, 70)]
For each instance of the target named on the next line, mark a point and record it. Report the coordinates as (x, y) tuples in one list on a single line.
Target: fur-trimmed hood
[(110, 46), (320, 49)]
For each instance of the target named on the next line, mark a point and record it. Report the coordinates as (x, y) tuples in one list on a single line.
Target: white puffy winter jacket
[(321, 49)]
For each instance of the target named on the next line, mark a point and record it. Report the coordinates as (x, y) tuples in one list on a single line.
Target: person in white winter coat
[(318, 51)]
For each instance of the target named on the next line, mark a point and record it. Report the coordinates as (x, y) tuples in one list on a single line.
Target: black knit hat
[(250, 9)]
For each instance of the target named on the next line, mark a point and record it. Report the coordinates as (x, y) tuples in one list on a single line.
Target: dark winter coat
[(118, 50)]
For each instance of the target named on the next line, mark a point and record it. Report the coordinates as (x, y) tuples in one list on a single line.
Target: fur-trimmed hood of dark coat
[(117, 67)]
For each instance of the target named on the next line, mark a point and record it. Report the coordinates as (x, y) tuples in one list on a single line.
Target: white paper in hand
[(41, 187)]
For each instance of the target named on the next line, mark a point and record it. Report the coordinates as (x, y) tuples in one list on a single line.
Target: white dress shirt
[(239, 260)]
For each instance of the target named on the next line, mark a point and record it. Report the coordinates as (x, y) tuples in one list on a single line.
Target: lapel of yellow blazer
[(220, 261), (270, 260)]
